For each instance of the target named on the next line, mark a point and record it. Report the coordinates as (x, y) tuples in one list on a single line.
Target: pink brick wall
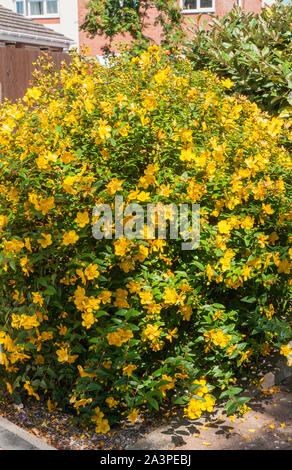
[(95, 44)]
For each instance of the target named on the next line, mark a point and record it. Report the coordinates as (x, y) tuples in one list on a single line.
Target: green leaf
[(249, 300), (152, 403), (180, 401), (93, 387), (50, 291)]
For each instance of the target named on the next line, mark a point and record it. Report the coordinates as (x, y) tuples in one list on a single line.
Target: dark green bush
[(254, 51)]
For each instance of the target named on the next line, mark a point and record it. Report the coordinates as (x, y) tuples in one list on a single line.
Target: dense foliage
[(113, 326), (254, 51), (135, 19)]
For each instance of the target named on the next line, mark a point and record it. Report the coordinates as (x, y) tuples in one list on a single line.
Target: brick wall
[(95, 44)]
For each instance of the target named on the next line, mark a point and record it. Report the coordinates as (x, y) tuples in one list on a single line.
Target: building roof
[(18, 28)]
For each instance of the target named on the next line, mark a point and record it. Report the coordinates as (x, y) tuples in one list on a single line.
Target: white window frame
[(198, 10), (45, 15)]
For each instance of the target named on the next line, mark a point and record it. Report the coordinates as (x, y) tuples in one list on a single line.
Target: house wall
[(72, 14), (66, 24), (95, 44)]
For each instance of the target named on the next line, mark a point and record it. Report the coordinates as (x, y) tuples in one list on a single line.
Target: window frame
[(198, 10), (24, 7), (45, 15)]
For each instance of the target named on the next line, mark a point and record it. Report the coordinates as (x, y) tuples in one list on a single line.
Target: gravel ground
[(57, 429)]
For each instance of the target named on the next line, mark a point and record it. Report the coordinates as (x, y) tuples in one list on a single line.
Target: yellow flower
[(27, 244), (186, 312), (284, 266), (105, 296), (121, 299), (51, 405), (46, 240), (209, 272), (102, 427), (107, 364), (46, 336), (133, 416), (88, 319), (64, 356), (39, 359), (9, 388), (3, 222), (82, 402), (172, 334), (224, 227), (83, 373), (37, 298), (208, 404), (267, 209), (247, 223), (246, 272), (165, 190), (12, 246), (286, 350), (44, 205), (169, 385), (62, 330), (91, 272), (122, 246), (70, 238), (143, 196), (245, 356), (113, 186), (82, 219), (104, 130), (218, 338), (111, 402), (170, 296), (193, 410), (146, 297), (203, 389), (149, 102), (117, 338), (32, 94), (227, 83), (187, 154), (30, 390), (129, 369)]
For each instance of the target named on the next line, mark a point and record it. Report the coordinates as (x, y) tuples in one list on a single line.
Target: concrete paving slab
[(267, 426), (13, 437)]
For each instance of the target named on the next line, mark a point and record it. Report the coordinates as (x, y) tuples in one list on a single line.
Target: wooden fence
[(16, 68)]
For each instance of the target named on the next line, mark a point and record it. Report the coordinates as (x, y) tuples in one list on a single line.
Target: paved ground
[(13, 437), (267, 426)]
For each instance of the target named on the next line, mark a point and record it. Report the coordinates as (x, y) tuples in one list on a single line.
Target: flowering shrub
[(113, 326)]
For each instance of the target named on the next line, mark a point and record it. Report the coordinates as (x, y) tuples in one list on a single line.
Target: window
[(38, 8), (45, 8), (20, 7), (52, 7), (197, 6)]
